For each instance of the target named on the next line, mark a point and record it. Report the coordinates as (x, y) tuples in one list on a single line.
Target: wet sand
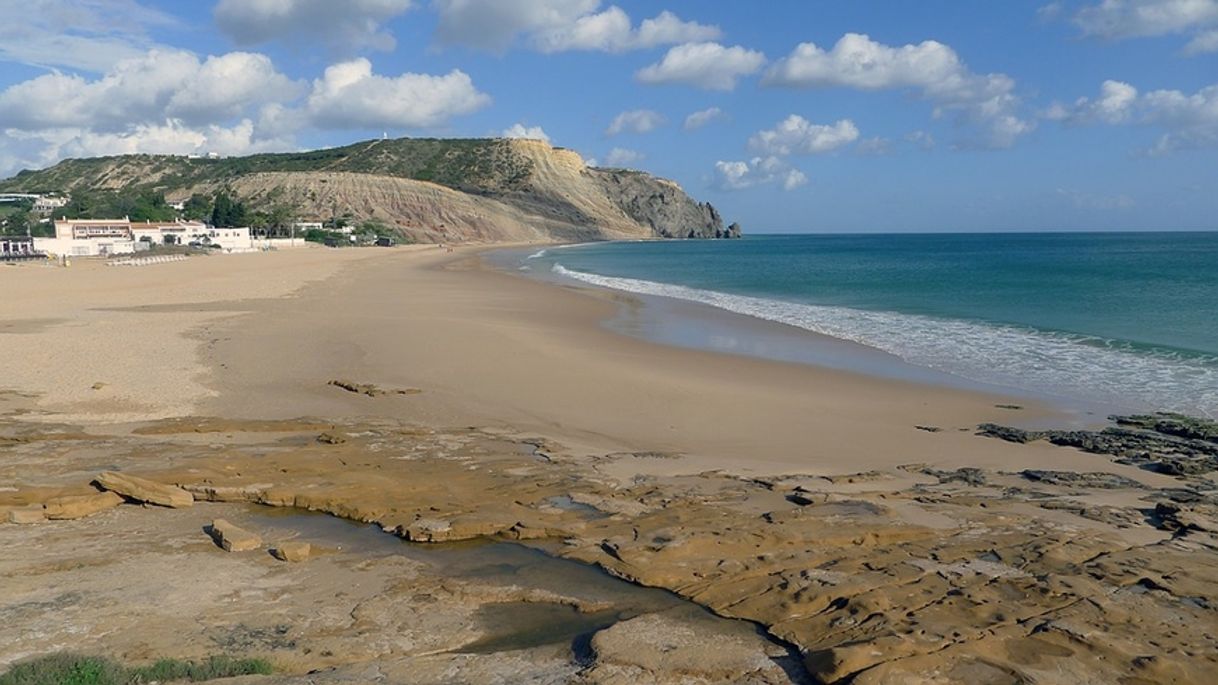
[(489, 348)]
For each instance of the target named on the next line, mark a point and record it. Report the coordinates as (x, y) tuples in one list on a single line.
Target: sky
[(788, 115)]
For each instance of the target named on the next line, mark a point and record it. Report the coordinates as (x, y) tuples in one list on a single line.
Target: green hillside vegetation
[(472, 165)]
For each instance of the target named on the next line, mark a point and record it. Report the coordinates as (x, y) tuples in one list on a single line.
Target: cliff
[(429, 190)]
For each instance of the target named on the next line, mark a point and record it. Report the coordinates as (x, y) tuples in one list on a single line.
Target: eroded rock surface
[(914, 575)]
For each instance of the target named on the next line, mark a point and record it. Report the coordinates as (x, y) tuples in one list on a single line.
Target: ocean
[(1126, 320)]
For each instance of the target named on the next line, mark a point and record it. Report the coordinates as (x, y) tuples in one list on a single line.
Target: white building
[(46, 203), (104, 237), (88, 238)]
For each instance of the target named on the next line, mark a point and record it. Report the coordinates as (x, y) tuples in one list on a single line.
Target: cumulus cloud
[(171, 101), (519, 130), (757, 171), (349, 25), (702, 117), (930, 68), (91, 35), (559, 25), (622, 157), (635, 121), (611, 31), (1202, 43), (1121, 19), (1135, 18), (349, 95), (796, 135), (703, 65), (1186, 120), (158, 85), (1113, 106)]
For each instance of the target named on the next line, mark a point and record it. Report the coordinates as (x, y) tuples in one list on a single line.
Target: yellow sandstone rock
[(292, 551), (79, 506), (233, 539), (30, 514), (144, 490)]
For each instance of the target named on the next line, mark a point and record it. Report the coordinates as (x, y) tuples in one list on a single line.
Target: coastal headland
[(768, 522)]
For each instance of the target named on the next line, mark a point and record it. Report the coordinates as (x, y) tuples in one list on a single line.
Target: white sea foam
[(1077, 366)]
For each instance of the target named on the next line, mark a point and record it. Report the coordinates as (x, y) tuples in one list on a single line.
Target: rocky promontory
[(426, 190)]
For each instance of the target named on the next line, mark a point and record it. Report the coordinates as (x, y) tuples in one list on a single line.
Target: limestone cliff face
[(429, 190), (662, 205)]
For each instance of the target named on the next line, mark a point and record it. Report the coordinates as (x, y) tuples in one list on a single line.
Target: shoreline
[(647, 397), (689, 324), (459, 402)]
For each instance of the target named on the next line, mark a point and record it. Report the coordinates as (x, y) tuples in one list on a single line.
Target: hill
[(429, 190)]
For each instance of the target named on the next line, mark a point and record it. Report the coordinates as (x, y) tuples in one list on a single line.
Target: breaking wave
[(1065, 364)]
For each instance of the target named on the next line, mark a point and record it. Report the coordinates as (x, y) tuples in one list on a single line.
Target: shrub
[(75, 669)]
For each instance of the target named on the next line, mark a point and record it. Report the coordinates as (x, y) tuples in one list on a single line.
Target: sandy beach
[(670, 442)]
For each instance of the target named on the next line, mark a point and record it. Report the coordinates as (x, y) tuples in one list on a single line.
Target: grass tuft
[(75, 669)]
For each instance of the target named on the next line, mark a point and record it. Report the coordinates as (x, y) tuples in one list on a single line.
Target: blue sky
[(814, 116)]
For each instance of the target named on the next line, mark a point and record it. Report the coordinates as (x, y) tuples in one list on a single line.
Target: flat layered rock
[(144, 490), (72, 507), (25, 515), (292, 551), (671, 648), (233, 539)]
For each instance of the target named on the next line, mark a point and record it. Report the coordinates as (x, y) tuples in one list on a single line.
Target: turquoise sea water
[(1126, 319)]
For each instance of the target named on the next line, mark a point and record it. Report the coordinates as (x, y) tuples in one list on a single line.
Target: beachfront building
[(104, 237), (17, 247), (193, 233), (88, 238)]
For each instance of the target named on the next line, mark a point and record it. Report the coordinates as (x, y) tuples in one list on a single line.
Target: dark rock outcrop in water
[(1171, 444)]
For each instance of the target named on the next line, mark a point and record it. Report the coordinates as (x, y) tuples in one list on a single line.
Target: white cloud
[(1187, 120), (934, 70), (1202, 43), (152, 87), (521, 131), (559, 25), (796, 135), (92, 35), (495, 24), (225, 85), (349, 95), (703, 65), (635, 121), (1135, 18), (702, 117), (922, 139), (1190, 121), (875, 145), (757, 171), (621, 157), (610, 31), (1113, 106), (170, 101), (349, 26)]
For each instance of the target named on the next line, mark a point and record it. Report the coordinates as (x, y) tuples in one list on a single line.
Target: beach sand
[(472, 402)]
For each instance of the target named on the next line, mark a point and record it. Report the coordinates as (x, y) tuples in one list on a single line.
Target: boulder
[(31, 514), (144, 490), (233, 539), (292, 551), (79, 506)]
